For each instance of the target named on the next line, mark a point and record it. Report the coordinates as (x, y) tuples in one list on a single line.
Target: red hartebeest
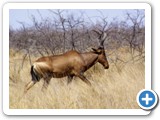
[(70, 64)]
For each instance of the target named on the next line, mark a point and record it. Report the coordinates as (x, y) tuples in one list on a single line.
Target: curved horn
[(102, 39)]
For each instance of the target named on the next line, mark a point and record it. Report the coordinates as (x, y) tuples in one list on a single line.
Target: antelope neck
[(90, 58)]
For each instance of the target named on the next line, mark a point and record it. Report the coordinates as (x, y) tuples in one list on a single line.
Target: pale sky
[(24, 15)]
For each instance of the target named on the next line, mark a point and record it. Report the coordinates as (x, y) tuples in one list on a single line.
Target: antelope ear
[(94, 49), (98, 51)]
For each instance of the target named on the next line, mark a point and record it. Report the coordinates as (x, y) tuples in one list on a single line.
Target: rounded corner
[(148, 5), (5, 5), (5, 112), (148, 113)]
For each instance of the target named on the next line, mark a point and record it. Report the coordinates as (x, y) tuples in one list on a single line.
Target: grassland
[(115, 88)]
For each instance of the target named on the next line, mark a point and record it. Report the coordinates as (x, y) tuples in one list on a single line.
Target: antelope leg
[(46, 83), (29, 85), (70, 78), (84, 79)]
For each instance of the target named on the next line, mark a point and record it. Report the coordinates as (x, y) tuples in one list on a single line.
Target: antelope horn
[(102, 39)]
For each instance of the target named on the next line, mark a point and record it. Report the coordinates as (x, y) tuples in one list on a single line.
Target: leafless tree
[(66, 31), (136, 31)]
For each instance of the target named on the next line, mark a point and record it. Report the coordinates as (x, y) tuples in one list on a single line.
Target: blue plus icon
[(147, 99)]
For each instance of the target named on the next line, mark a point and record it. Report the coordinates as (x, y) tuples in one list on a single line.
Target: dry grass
[(115, 88)]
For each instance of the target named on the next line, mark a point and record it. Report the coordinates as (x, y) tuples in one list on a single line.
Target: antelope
[(70, 64)]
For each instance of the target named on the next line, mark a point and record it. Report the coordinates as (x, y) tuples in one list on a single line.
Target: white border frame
[(8, 6)]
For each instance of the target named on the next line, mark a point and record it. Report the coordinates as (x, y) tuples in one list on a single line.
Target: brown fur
[(71, 63)]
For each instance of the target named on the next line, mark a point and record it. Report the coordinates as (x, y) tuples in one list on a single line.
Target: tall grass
[(114, 88)]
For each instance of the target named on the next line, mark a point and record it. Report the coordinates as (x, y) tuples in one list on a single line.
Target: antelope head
[(102, 59)]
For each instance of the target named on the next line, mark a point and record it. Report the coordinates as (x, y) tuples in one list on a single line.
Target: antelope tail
[(35, 78), (35, 75)]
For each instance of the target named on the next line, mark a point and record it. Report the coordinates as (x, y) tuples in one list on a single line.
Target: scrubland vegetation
[(113, 88)]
